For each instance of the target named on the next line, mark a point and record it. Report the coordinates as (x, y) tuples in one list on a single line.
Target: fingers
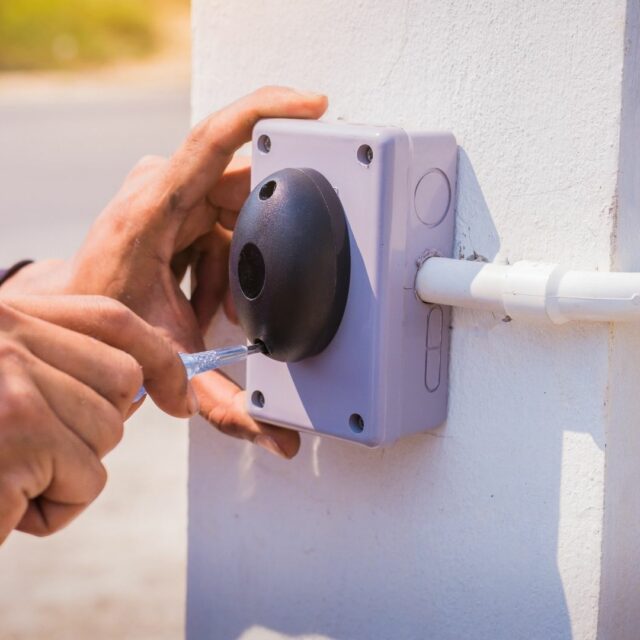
[(127, 339), (211, 276), (165, 378), (229, 307), (92, 418), (39, 455), (13, 505), (78, 479), (232, 189), (222, 403), (113, 374), (43, 517), (197, 166)]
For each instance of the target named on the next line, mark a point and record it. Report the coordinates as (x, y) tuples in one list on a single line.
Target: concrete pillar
[(519, 517)]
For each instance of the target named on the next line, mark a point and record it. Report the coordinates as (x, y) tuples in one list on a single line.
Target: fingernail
[(193, 405), (268, 443)]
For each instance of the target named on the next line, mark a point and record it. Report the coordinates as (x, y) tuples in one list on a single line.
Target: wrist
[(5, 274), (37, 278)]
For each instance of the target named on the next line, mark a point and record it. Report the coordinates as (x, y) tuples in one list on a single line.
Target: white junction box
[(385, 373)]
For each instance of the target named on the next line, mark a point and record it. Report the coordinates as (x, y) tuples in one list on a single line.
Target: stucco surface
[(491, 526)]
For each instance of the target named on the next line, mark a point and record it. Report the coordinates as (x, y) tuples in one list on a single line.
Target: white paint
[(505, 523), (620, 616)]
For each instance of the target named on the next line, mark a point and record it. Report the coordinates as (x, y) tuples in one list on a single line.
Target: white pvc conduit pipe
[(531, 290)]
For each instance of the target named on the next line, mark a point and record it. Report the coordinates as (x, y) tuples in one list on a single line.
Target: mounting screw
[(365, 155), (257, 399), (264, 143), (356, 422)]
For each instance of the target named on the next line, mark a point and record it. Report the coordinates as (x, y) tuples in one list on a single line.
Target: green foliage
[(50, 34)]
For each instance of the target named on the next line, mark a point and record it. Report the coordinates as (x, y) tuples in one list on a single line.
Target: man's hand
[(171, 215), (113, 324), (63, 400)]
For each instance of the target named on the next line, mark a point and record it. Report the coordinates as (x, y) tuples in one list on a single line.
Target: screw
[(264, 144), (365, 155)]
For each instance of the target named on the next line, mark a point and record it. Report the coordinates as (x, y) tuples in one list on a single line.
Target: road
[(119, 570)]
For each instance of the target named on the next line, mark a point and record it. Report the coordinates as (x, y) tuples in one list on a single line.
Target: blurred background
[(86, 88)]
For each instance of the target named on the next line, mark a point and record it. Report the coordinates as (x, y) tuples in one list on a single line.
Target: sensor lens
[(251, 272)]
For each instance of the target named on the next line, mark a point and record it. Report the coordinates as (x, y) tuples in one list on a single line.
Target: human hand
[(64, 397), (174, 214)]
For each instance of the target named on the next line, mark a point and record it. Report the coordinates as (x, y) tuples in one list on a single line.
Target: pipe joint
[(531, 290)]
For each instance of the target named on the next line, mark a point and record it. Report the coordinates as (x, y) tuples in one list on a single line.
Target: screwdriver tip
[(257, 347)]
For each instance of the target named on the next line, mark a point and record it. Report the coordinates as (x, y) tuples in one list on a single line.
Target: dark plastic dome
[(290, 264)]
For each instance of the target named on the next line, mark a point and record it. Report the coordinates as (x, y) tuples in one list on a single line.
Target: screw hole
[(365, 155), (264, 144), (257, 399), (356, 422), (267, 190), (262, 345)]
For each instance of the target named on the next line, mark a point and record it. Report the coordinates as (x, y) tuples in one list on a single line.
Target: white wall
[(506, 522), (619, 616)]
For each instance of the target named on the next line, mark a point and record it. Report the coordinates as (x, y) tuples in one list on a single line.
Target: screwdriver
[(196, 363)]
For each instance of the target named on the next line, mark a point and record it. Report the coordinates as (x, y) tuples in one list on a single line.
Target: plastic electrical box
[(385, 372)]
